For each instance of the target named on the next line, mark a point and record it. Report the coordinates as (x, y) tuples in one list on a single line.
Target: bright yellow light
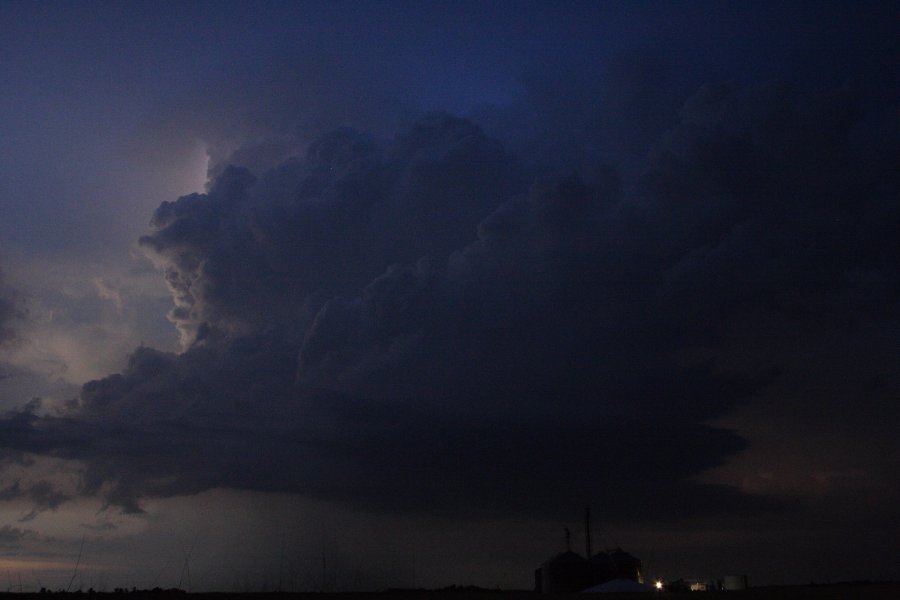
[(658, 584)]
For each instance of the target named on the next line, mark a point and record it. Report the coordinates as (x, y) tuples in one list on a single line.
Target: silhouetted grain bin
[(602, 568), (569, 572), (565, 573), (734, 582), (625, 566)]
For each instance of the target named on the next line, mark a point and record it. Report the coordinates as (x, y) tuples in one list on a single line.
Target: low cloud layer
[(431, 323)]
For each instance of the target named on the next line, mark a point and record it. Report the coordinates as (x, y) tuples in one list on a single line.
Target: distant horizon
[(450, 589)]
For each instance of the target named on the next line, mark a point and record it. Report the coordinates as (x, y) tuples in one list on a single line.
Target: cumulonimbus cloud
[(427, 322)]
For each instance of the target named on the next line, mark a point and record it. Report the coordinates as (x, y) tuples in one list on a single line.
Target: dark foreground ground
[(846, 591)]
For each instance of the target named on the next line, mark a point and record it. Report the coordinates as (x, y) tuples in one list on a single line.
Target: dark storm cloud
[(11, 536), (40, 495), (255, 254), (429, 322)]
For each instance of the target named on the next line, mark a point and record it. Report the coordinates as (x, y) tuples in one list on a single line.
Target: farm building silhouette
[(569, 572)]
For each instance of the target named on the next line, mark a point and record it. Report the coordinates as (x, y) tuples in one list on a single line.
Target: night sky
[(405, 285)]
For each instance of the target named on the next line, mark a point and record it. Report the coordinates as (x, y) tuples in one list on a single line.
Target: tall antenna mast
[(186, 568), (587, 530), (77, 563)]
